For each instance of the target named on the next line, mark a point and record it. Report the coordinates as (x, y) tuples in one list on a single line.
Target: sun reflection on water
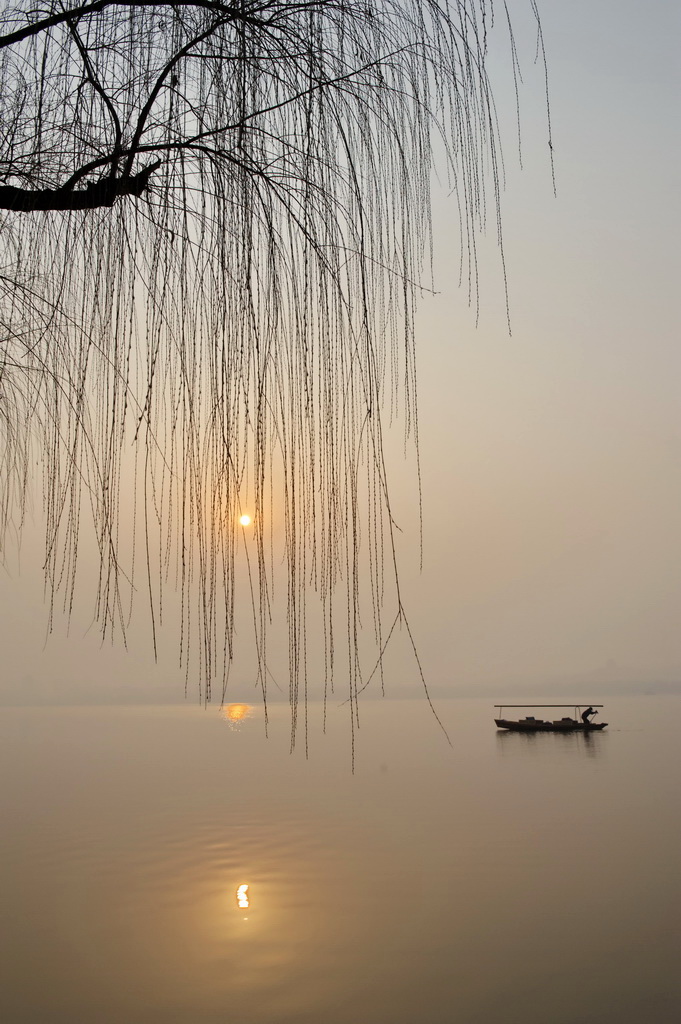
[(235, 714), (242, 899)]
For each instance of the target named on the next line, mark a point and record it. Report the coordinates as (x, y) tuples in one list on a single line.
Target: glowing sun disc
[(245, 520)]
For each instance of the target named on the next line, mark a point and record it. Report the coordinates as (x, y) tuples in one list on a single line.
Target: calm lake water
[(507, 878)]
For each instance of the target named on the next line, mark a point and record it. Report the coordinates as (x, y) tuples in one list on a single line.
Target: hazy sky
[(551, 459)]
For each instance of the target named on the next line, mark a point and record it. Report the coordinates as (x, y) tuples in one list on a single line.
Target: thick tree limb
[(99, 193), (232, 13)]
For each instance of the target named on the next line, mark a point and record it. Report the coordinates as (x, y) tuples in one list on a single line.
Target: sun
[(245, 520)]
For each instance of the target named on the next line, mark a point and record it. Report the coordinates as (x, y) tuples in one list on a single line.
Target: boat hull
[(537, 726)]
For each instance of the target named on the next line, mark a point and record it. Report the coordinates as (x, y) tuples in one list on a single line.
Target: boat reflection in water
[(586, 743), (235, 714)]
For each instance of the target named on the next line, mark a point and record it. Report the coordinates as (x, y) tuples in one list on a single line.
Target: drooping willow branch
[(214, 221)]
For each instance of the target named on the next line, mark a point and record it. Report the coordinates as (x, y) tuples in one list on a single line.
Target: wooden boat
[(567, 723)]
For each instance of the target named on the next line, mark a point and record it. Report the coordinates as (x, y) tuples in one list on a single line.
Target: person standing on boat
[(588, 714)]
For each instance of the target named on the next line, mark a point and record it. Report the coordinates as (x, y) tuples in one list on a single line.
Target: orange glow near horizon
[(236, 712)]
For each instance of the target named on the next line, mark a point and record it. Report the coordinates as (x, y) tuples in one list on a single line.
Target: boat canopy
[(576, 707)]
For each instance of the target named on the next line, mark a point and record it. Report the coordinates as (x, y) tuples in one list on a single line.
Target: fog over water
[(505, 878)]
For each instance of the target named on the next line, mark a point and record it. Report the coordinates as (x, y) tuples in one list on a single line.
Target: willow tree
[(214, 220)]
